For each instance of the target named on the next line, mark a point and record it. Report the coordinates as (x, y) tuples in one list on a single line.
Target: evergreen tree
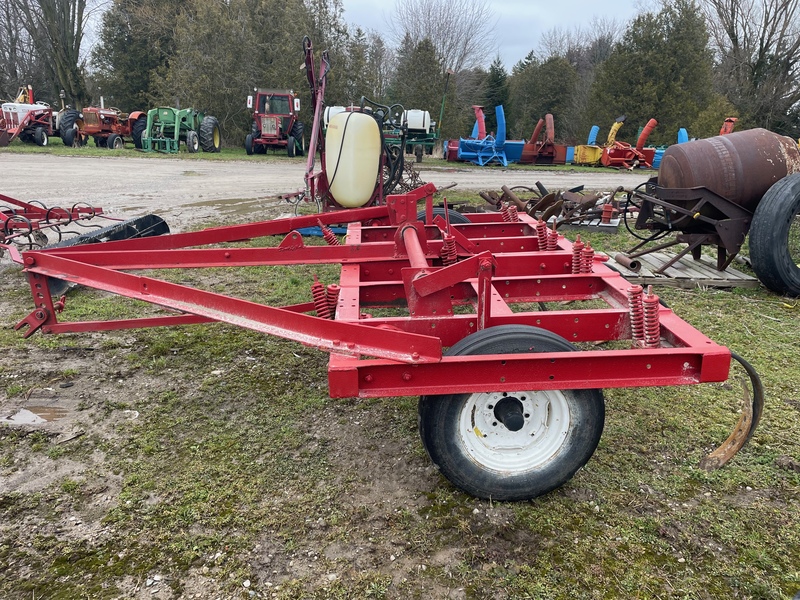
[(662, 68), (418, 82), (496, 93)]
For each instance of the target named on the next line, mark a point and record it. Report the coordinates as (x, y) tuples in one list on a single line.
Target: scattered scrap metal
[(568, 207)]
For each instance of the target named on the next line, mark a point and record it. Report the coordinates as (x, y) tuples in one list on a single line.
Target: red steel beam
[(325, 334)]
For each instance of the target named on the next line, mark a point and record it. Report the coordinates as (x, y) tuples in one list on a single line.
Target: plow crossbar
[(496, 275)]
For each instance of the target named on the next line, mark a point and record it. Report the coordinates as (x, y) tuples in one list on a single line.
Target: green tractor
[(167, 127)]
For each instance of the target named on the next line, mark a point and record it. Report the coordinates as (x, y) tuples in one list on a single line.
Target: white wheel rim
[(493, 446)]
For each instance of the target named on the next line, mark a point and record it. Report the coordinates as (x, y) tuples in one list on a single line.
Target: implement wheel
[(775, 237), (455, 217), (513, 445)]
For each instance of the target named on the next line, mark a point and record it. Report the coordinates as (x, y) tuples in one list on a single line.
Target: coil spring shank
[(636, 311)]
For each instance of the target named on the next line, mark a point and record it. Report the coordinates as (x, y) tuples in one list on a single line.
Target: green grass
[(57, 147), (239, 464)]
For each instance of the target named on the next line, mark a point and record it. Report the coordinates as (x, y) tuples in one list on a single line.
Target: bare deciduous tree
[(56, 29), (17, 56), (757, 43), (461, 30)]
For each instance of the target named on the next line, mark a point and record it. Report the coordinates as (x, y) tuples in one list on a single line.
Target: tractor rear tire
[(775, 237), (40, 137), (210, 139), (192, 142), (68, 127), (137, 131), (115, 142), (290, 146), (513, 445), (297, 134), (248, 144)]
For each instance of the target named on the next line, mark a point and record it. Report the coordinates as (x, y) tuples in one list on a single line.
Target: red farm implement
[(429, 302), (26, 224)]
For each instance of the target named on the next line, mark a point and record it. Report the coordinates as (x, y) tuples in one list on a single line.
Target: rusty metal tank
[(740, 166)]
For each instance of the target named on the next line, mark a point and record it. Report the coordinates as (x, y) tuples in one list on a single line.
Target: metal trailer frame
[(451, 279)]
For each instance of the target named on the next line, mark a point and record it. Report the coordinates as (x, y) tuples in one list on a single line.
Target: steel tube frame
[(394, 266)]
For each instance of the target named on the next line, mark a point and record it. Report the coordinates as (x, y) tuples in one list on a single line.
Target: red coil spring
[(652, 322), (552, 239), (320, 299), (577, 248), (449, 252), (513, 217), (328, 235), (332, 293), (541, 234), (636, 311), (505, 212), (587, 258)]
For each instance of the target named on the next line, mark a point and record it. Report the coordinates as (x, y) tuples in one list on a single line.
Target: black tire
[(69, 136), (137, 131), (297, 134), (549, 436), (192, 142), (248, 144), (210, 138), (455, 217), (290, 146), (419, 151), (100, 142), (115, 142), (67, 126), (775, 237), (40, 136)]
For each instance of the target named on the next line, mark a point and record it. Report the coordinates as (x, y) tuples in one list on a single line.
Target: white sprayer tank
[(418, 120), (352, 158), (330, 112)]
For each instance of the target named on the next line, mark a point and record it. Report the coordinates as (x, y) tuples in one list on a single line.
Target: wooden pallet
[(686, 273), (590, 225)]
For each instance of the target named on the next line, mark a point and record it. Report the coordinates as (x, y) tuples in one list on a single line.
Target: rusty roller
[(739, 167)]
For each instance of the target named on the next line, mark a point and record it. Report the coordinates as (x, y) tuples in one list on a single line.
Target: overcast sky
[(520, 23)]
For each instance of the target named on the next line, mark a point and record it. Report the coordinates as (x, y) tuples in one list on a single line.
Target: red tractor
[(28, 119), (108, 126), (275, 123)]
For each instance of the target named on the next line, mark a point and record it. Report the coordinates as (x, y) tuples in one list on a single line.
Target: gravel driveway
[(186, 191)]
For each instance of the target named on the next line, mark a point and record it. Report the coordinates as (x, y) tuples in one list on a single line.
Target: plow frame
[(397, 264), (445, 290)]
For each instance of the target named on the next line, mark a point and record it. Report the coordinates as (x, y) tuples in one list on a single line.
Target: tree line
[(687, 63)]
